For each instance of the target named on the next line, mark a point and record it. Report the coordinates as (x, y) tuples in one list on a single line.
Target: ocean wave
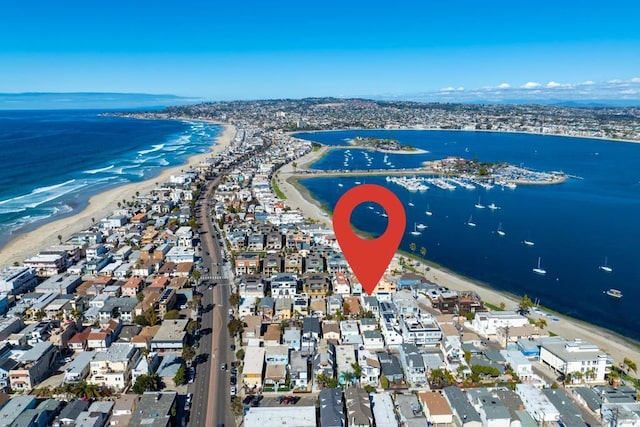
[(42, 195), (163, 162), (94, 171), (156, 147), (146, 159)]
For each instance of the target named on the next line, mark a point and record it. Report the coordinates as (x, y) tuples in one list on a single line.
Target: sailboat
[(479, 205), (499, 231), (493, 206), (470, 223), (605, 267), (421, 226), (415, 232), (528, 242), (538, 269), (428, 212)]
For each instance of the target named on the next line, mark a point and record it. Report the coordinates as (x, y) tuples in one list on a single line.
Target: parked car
[(233, 390)]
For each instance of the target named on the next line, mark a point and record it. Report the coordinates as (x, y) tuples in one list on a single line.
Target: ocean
[(574, 226), (53, 161)]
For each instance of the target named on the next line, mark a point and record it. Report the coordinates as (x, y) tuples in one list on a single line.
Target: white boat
[(615, 293), (415, 232), (493, 206), (605, 267), (421, 226), (428, 212), (470, 223), (384, 215), (479, 205), (410, 204), (358, 183), (499, 231), (340, 185), (539, 270), (528, 242)]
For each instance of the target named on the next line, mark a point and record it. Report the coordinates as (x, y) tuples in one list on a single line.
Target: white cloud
[(448, 89), (460, 88), (629, 92), (614, 81), (504, 86), (530, 85), (588, 83), (635, 80)]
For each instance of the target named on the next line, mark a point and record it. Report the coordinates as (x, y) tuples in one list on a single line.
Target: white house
[(519, 363), (570, 357), (486, 324)]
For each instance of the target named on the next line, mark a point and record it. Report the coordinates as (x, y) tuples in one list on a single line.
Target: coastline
[(100, 205), (618, 346), (601, 138)]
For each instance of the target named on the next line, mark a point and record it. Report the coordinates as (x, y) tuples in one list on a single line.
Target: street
[(211, 398)]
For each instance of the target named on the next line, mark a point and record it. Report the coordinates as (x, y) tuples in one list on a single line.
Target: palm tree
[(413, 247), (630, 364), (60, 238), (357, 371), (541, 323)]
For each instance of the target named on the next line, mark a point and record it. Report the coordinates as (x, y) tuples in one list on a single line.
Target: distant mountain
[(89, 100)]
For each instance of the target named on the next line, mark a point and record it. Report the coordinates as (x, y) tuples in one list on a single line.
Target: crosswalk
[(215, 277)]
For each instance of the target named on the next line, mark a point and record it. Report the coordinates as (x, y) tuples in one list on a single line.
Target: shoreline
[(601, 138), (612, 342), (100, 205)]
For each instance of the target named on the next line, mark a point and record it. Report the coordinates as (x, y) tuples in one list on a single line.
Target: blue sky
[(431, 50)]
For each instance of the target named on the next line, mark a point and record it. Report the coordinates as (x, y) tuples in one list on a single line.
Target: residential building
[(537, 404), (34, 366), (436, 409), (464, 414), (112, 368), (576, 356), (383, 410), (345, 358), (283, 285), (486, 324), (299, 416), (413, 364), (332, 408), (171, 336), (155, 409), (17, 280), (253, 366), (358, 407)]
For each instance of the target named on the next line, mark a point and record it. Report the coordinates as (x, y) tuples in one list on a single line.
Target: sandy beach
[(616, 345), (99, 206)]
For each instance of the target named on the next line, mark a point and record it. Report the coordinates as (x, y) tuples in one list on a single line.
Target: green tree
[(326, 381), (181, 375), (413, 247), (60, 238), (240, 354), (195, 274), (525, 305), (630, 364), (147, 382), (236, 406), (140, 296), (172, 314), (141, 320), (192, 326), (502, 305), (150, 316), (541, 323), (423, 251), (235, 327), (357, 370), (188, 353), (384, 382), (234, 299)]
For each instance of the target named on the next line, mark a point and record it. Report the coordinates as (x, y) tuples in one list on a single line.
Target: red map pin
[(369, 258)]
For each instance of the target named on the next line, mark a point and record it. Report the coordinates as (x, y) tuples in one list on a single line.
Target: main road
[(211, 395)]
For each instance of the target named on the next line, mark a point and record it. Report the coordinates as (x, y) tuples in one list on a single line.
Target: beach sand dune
[(99, 206), (617, 346)]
